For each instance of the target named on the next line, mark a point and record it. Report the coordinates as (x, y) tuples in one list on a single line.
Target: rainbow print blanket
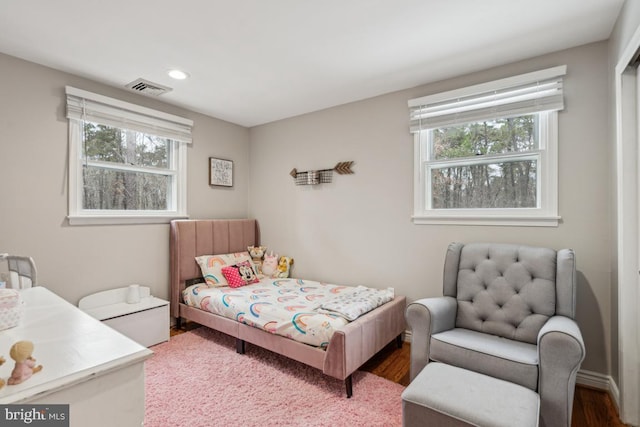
[(284, 307)]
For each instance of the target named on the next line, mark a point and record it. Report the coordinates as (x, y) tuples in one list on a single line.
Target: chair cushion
[(506, 290), (491, 355), (443, 395)]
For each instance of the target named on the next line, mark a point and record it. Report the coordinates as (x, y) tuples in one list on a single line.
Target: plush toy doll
[(270, 264), (257, 253), (284, 267), (25, 364)]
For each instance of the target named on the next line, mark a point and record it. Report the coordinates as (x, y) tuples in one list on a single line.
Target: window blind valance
[(524, 94), (87, 106)]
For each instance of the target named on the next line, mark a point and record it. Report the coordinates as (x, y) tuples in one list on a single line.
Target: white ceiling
[(256, 61)]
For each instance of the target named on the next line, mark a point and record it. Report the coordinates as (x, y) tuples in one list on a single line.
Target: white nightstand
[(146, 322)]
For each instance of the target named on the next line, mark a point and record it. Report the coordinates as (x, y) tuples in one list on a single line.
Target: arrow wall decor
[(344, 168), (320, 176)]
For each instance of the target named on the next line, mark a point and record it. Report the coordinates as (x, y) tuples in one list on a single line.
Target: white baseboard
[(593, 379), (601, 382), (614, 392)]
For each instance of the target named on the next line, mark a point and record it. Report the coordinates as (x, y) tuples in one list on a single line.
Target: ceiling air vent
[(147, 87)]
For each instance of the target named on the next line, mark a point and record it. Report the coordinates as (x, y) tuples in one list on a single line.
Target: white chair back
[(22, 272)]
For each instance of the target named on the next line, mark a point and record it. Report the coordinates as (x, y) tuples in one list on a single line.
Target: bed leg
[(239, 346), (399, 341), (178, 323), (348, 382)]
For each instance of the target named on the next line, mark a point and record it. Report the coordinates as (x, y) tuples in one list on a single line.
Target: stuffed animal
[(257, 253), (284, 267), (270, 264), (25, 364)]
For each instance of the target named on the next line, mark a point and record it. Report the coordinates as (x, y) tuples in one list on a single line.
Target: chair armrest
[(561, 352), (426, 317)]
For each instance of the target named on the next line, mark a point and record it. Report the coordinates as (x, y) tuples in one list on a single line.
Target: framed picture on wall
[(220, 172)]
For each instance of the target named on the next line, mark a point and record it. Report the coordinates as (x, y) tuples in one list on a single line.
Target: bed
[(348, 348)]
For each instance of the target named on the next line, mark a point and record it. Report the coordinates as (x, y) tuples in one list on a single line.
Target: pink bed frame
[(349, 347)]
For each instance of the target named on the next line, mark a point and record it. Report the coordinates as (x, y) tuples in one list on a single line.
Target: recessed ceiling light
[(177, 74)]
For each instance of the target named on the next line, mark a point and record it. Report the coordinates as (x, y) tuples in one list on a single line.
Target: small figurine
[(2, 360), (25, 364)]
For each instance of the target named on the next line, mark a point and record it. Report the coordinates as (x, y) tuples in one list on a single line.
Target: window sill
[(503, 220), (121, 219)]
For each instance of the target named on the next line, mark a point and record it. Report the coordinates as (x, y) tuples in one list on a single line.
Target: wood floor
[(591, 407)]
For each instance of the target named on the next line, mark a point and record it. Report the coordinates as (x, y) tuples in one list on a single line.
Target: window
[(127, 164), (487, 154)]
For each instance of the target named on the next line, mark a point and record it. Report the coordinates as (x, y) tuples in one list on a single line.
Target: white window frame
[(546, 212), (125, 115)]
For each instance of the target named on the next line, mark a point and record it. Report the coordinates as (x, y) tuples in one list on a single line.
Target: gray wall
[(75, 261), (358, 230)]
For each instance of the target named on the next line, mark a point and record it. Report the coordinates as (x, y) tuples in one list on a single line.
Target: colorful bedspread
[(284, 307)]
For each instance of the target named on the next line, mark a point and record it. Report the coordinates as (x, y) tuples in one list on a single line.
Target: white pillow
[(211, 266)]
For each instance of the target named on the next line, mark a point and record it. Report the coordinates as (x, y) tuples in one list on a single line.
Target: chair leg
[(348, 382)]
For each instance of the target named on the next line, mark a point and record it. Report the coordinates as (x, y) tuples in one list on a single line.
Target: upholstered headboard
[(192, 238)]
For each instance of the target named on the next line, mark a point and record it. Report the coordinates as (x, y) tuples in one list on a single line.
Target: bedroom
[(339, 232)]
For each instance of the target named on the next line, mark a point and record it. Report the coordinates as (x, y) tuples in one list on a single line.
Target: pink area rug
[(198, 379)]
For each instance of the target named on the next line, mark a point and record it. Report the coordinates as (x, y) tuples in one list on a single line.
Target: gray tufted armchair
[(507, 312)]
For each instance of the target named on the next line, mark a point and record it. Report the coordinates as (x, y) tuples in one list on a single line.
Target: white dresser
[(96, 370)]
